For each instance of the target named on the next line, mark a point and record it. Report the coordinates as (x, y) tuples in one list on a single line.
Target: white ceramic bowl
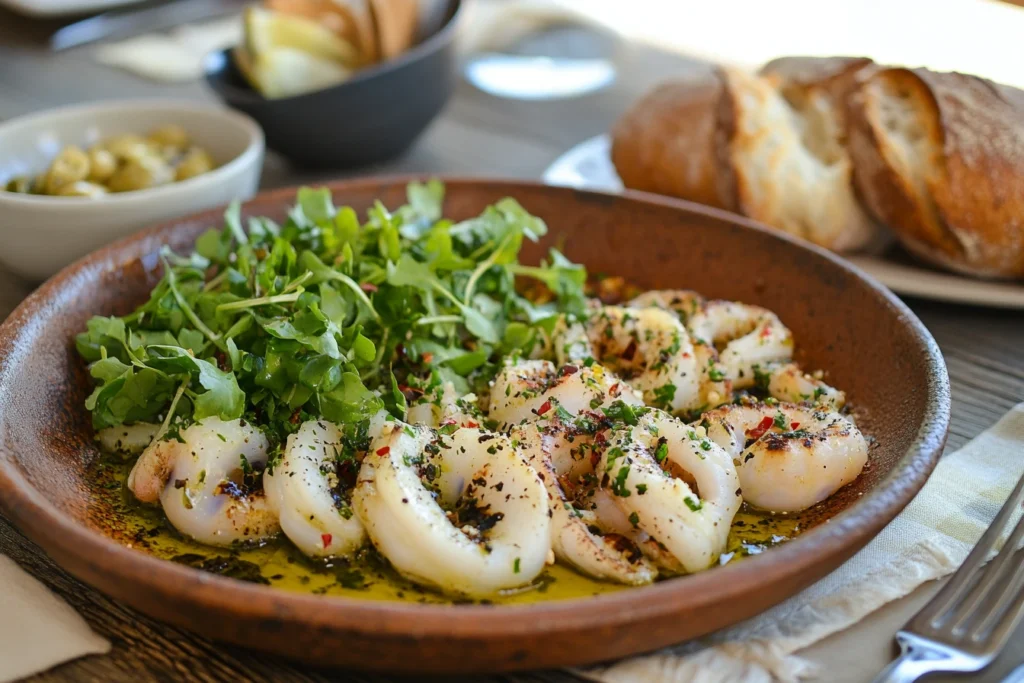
[(39, 234)]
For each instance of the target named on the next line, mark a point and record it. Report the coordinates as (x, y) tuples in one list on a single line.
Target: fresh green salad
[(327, 315)]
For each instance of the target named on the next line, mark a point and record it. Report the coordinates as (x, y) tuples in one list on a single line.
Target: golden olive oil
[(368, 576)]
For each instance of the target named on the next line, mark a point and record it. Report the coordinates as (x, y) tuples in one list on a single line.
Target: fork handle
[(916, 659)]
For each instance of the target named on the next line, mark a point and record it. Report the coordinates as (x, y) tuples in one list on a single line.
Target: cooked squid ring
[(678, 487), (308, 491), (748, 336), (715, 386), (683, 303), (594, 543), (788, 457), (531, 390), (649, 348), (127, 439), (443, 406), (200, 482), (496, 533), (791, 384)]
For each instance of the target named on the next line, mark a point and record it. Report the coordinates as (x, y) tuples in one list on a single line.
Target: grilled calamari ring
[(463, 512)]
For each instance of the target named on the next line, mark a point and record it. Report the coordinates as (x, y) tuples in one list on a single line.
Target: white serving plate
[(588, 165)]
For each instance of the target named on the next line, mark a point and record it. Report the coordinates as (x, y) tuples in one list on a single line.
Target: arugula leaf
[(423, 208), (394, 400), (131, 396), (350, 401), (222, 398), (316, 203)]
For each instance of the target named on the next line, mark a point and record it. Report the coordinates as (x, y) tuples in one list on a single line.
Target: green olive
[(70, 166), (21, 184), (195, 162), (127, 147), (82, 188), (139, 174), (102, 164), (171, 135)]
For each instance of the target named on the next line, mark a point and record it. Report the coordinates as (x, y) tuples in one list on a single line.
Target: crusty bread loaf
[(668, 141), (939, 157), (825, 147), (770, 146)]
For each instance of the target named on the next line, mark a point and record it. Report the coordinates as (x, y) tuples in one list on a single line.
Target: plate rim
[(106, 561)]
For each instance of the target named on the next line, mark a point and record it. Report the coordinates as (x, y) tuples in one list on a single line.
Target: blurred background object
[(217, 158), (343, 107)]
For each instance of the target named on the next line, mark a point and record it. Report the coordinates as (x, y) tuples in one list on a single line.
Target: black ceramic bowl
[(372, 117)]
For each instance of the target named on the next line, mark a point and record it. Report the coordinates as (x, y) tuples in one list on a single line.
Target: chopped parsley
[(618, 485), (665, 394)]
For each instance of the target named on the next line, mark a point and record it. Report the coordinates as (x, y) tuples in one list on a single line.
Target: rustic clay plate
[(871, 343)]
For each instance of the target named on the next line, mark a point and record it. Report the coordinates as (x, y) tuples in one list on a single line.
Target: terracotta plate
[(872, 345)]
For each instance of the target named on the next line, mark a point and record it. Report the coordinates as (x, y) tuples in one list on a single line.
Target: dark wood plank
[(477, 134)]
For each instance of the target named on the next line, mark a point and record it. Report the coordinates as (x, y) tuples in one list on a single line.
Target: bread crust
[(938, 157), (733, 140), (668, 142), (395, 22), (838, 75), (962, 205)]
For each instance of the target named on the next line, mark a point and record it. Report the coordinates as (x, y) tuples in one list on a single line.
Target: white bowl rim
[(180, 188)]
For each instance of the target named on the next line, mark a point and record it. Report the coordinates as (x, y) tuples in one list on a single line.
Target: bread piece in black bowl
[(372, 117)]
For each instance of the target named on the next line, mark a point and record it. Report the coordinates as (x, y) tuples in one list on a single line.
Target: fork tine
[(953, 591), (1007, 607), (995, 581)]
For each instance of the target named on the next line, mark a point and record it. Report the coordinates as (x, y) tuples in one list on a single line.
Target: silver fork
[(969, 621)]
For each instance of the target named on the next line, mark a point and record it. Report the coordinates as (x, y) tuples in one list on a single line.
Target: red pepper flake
[(594, 458), (384, 451), (767, 330), (428, 357), (326, 538), (368, 287), (760, 430), (686, 354), (568, 370), (600, 437), (471, 424), (615, 390), (410, 393), (794, 425), (545, 407)]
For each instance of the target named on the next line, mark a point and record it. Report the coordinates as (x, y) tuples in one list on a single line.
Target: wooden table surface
[(476, 134)]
